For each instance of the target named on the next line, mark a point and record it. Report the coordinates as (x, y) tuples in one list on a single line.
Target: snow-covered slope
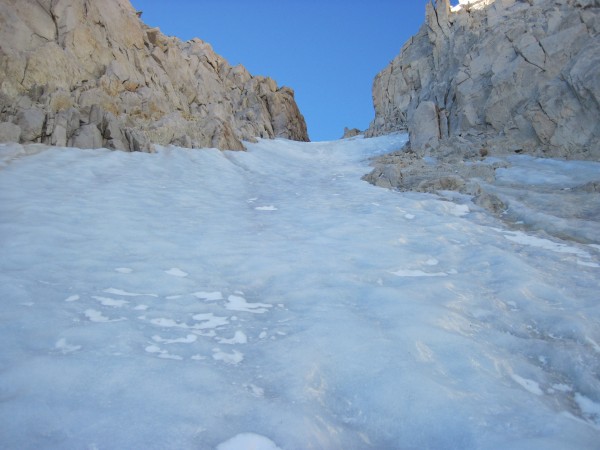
[(271, 298)]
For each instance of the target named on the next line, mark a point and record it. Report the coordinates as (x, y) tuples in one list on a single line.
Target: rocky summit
[(91, 74), (494, 76)]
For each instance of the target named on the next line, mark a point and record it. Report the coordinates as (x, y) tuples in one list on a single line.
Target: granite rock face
[(92, 74), (499, 75)]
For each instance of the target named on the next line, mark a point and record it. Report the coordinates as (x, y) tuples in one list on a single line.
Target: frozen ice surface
[(554, 196), (270, 298)]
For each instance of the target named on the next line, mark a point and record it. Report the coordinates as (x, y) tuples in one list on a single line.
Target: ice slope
[(271, 299), (559, 197)]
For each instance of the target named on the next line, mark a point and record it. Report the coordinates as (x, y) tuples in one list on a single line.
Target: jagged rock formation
[(503, 75), (350, 132), (91, 74)]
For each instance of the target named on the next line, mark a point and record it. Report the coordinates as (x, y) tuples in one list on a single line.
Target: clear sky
[(328, 51)]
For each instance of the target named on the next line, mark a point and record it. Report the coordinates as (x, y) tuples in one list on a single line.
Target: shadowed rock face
[(91, 74), (504, 75)]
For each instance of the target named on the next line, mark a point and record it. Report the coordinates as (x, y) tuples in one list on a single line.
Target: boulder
[(87, 136), (9, 132), (424, 128), (31, 121)]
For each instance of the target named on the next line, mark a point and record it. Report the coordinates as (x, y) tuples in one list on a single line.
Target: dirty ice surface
[(271, 299)]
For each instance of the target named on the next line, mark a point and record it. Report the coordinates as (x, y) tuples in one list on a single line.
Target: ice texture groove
[(270, 298)]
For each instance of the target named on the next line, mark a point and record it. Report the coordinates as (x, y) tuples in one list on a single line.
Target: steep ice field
[(271, 299)]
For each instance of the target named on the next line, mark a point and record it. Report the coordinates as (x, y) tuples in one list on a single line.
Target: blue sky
[(328, 51)]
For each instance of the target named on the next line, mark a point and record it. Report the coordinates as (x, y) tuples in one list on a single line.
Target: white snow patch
[(167, 323), (560, 387), (123, 293), (589, 408), (238, 338), (65, 348), (189, 339), (105, 301), (474, 4), (248, 441), (237, 303), (72, 298), (209, 320), (417, 273), (525, 239), (162, 353), (209, 296), (529, 385), (266, 208), (513, 305), (176, 272), (587, 264), (593, 343), (256, 391), (124, 270), (96, 316), (232, 358), (458, 210)]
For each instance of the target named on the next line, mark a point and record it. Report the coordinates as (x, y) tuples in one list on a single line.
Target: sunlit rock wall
[(91, 74), (504, 75)]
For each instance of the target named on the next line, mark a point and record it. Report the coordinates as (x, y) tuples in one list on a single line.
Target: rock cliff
[(91, 74), (496, 76)]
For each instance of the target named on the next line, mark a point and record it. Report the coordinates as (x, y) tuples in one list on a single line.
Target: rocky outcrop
[(503, 75), (405, 170), (351, 132), (91, 74)]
